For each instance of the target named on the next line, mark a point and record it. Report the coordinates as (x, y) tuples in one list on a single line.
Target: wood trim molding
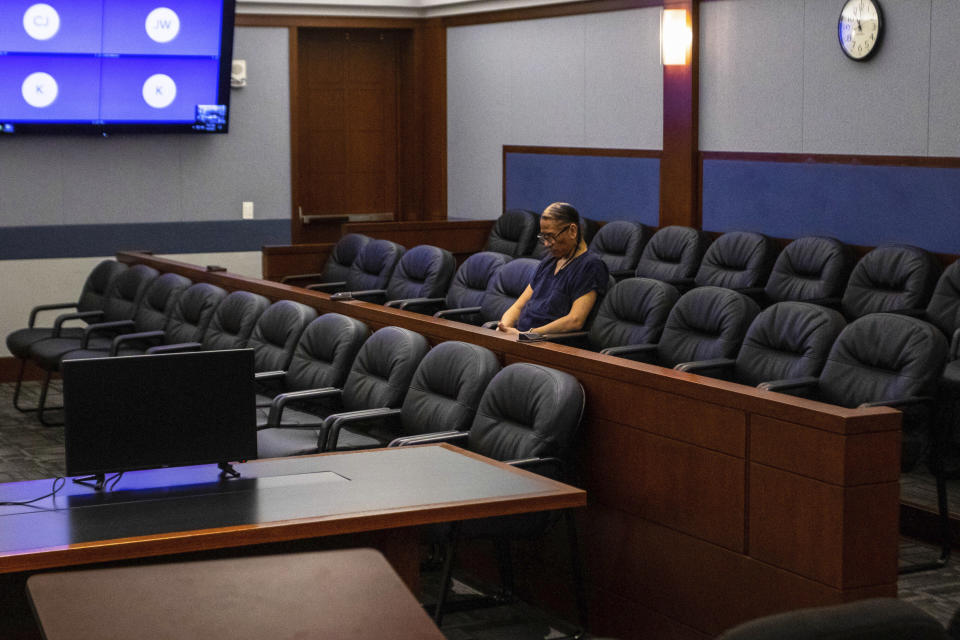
[(351, 22), (547, 11), (933, 162), (583, 151)]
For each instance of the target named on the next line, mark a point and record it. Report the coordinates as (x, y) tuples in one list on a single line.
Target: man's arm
[(508, 322), (574, 320)]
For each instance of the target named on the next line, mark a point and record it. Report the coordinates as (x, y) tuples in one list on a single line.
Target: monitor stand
[(227, 470), (98, 481)]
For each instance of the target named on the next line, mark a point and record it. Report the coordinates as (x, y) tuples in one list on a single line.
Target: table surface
[(167, 511), (351, 593)]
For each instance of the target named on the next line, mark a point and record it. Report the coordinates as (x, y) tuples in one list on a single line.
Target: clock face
[(859, 28)]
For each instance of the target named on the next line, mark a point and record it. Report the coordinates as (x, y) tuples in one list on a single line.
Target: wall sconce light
[(676, 36)]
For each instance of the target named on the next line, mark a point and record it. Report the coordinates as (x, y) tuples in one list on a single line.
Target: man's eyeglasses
[(550, 238)]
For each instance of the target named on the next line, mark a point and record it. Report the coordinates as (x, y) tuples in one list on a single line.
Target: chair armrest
[(491, 324), (91, 329), (335, 422), (897, 402), (790, 383), (450, 313), (452, 437), (80, 315), (698, 366), (630, 350), (367, 295), (179, 347), (954, 345), (280, 401), (260, 376), (413, 304), (130, 337), (48, 307), (326, 286), (300, 276), (537, 464)]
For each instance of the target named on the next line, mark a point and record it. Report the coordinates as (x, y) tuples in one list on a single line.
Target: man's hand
[(506, 329)]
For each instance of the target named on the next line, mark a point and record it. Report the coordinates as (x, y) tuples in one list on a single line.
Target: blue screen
[(115, 65)]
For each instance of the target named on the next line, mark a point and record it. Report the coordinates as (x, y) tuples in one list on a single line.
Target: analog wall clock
[(860, 28)]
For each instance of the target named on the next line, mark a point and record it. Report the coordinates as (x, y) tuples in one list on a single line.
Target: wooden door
[(346, 131)]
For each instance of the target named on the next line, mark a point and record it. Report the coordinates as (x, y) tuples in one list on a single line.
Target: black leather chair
[(231, 325), (943, 310), (528, 416), (871, 619), (786, 340), (704, 324), (379, 377), (894, 277), (443, 396), (466, 289), (337, 267), (738, 260), (322, 358), (423, 272), (620, 244), (673, 255), (89, 308), (370, 270), (514, 233), (506, 285), (810, 269), (276, 333)]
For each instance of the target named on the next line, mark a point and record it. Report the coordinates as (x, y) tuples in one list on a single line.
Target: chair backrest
[(94, 292), (423, 272), (527, 410), (620, 243), (233, 320), (634, 311), (514, 233), (470, 281), (125, 292), (673, 253), (381, 373), (943, 310), (192, 313), (276, 333), (374, 265), (506, 286), (342, 256), (705, 323), (446, 388), (158, 301), (882, 356), (890, 278), (810, 268), (325, 352), (737, 260), (787, 340)]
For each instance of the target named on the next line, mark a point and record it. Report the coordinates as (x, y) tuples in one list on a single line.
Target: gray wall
[(581, 81)]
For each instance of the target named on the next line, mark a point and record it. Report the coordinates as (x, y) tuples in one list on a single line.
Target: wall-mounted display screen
[(115, 65)]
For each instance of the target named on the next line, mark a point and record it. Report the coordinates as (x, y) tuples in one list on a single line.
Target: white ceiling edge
[(386, 8)]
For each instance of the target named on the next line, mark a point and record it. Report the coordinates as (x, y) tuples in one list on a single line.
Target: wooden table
[(375, 497), (349, 593)]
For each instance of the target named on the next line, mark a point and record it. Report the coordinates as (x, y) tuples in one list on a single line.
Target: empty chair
[(89, 308), (275, 335), (371, 269), (423, 272), (705, 323), (466, 289), (811, 269), (337, 267), (739, 260), (231, 325), (943, 310), (894, 277), (507, 284), (620, 244), (514, 233), (786, 340), (673, 255), (379, 377), (634, 311)]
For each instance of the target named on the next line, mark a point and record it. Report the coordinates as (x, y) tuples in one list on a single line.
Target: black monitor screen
[(141, 412)]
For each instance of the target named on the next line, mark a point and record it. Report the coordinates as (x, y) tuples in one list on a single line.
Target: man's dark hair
[(564, 213)]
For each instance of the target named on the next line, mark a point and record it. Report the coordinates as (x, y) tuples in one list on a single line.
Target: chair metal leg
[(447, 573), (42, 404), (16, 391)]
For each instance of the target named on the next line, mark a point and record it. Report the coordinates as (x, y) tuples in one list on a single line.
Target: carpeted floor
[(30, 451)]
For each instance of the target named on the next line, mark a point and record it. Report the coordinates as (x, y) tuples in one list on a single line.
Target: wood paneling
[(279, 261)]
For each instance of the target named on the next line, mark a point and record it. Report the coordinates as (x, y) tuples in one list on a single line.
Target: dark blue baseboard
[(859, 204), (600, 187), (86, 240)]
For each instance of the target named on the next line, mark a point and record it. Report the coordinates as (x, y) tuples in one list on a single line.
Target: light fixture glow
[(676, 37)]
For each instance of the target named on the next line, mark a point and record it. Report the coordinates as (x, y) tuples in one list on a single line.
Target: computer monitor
[(141, 412)]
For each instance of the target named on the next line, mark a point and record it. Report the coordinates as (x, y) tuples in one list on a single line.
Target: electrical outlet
[(248, 211)]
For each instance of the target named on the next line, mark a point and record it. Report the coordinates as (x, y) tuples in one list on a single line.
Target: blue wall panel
[(80, 241), (859, 204), (600, 187)]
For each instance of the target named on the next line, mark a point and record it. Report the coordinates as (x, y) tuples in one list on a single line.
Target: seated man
[(567, 283)]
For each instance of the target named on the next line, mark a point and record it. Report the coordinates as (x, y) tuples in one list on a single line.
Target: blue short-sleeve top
[(554, 294)]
